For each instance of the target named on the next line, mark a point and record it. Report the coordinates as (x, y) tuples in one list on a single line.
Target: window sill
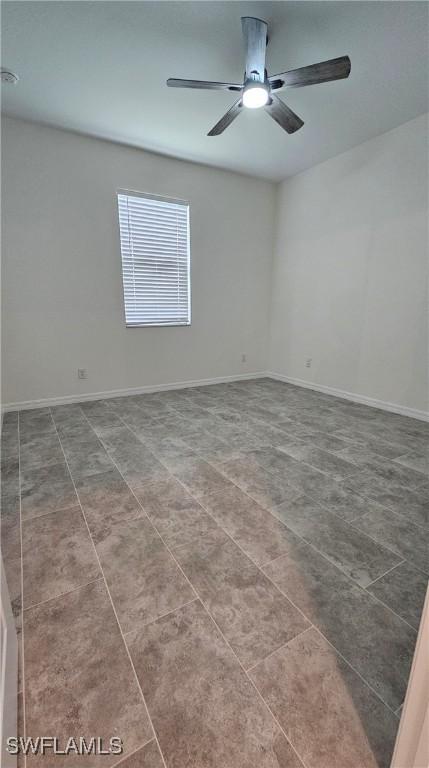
[(158, 325)]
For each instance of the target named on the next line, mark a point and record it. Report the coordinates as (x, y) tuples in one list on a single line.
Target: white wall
[(349, 285), (349, 280), (62, 290)]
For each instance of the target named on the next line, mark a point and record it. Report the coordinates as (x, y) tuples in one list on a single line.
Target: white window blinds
[(155, 259)]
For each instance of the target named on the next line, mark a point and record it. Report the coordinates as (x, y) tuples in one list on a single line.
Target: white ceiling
[(100, 68)]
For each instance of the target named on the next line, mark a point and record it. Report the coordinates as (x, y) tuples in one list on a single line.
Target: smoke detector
[(9, 77)]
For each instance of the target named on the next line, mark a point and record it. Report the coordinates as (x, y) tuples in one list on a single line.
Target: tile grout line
[(281, 647), (270, 511), (356, 672), (51, 511), (246, 555), (139, 626), (379, 600), (352, 523), (130, 754), (199, 502), (22, 590), (423, 472), (353, 582), (68, 508), (322, 506), (394, 512), (293, 486), (199, 598), (385, 574), (366, 683), (108, 592), (63, 594), (318, 630), (211, 617), (260, 420), (326, 474)]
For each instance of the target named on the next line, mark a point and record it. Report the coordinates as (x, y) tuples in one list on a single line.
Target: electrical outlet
[(244, 358), (82, 373), (308, 362)]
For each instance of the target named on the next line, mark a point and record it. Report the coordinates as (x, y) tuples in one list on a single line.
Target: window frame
[(166, 199)]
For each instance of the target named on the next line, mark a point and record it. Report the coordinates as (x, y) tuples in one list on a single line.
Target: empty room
[(214, 384)]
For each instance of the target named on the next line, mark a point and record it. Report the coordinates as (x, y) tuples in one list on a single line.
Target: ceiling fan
[(257, 89)]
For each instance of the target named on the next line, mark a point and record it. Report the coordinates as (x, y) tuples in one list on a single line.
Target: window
[(155, 259)]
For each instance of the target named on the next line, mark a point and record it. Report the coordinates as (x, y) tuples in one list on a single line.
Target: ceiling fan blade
[(226, 119), (174, 82), (283, 115), (323, 72), (255, 36)]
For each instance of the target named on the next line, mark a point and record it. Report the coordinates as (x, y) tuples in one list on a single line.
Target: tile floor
[(225, 577)]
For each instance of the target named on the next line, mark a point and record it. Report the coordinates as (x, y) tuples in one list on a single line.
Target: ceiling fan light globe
[(255, 96)]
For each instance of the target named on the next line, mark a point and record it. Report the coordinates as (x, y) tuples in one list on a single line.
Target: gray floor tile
[(411, 504), (261, 536), (46, 490), (58, 555), (264, 487), (78, 677), (10, 419), (370, 443), (168, 448), (329, 463), (293, 429), (9, 438), (276, 460), (106, 499), (40, 451), (198, 476), (357, 555), (67, 414), (296, 447), (267, 434), (386, 470), (331, 717), (377, 643), (119, 438), (86, 457), (35, 422), (214, 717), (361, 455), (327, 442), (335, 496), (102, 418), (143, 578), (177, 516), (410, 541), (242, 449), (11, 550), (76, 431), (403, 590), (254, 617), (137, 463), (9, 476), (204, 441), (417, 461), (148, 756)]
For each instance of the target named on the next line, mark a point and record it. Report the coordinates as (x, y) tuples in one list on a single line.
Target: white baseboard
[(67, 399), (370, 401), (355, 398)]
